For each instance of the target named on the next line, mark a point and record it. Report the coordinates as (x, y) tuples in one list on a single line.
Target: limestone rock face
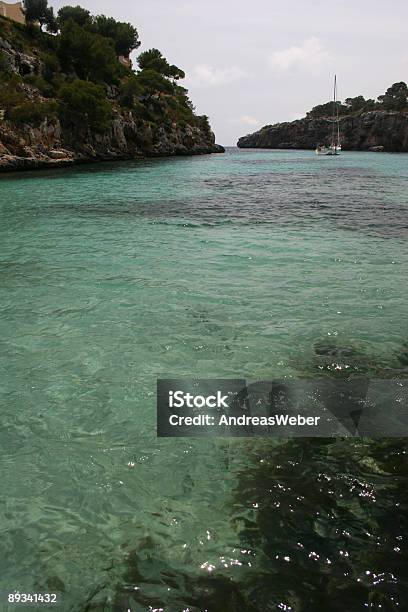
[(50, 145), (25, 145), (19, 63), (370, 131)]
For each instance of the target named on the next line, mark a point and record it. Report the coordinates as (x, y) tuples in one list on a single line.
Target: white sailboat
[(335, 146)]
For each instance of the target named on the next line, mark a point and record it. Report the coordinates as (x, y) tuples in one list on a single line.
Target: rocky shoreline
[(377, 130), (47, 146), (29, 144)]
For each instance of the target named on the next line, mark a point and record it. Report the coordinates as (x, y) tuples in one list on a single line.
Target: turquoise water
[(214, 266)]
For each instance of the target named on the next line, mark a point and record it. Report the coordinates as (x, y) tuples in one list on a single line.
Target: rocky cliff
[(33, 133), (48, 145), (377, 130)]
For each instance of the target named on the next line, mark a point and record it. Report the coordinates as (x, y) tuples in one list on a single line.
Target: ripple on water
[(257, 264)]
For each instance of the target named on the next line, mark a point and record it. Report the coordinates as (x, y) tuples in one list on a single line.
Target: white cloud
[(310, 56), (246, 120), (204, 75), (295, 116)]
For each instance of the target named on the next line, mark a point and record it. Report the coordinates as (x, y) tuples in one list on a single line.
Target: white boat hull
[(335, 147), (333, 150)]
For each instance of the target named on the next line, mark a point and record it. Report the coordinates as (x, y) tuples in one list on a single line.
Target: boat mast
[(334, 110), (337, 109)]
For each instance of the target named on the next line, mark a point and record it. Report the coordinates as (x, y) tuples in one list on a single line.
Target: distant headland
[(365, 125), (69, 94)]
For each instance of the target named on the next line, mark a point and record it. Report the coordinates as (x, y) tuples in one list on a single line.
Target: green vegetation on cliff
[(394, 99), (365, 125), (76, 72)]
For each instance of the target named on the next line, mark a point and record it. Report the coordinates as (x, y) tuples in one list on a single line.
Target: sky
[(250, 63)]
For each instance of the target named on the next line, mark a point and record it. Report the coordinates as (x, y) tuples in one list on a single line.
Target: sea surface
[(234, 265)]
